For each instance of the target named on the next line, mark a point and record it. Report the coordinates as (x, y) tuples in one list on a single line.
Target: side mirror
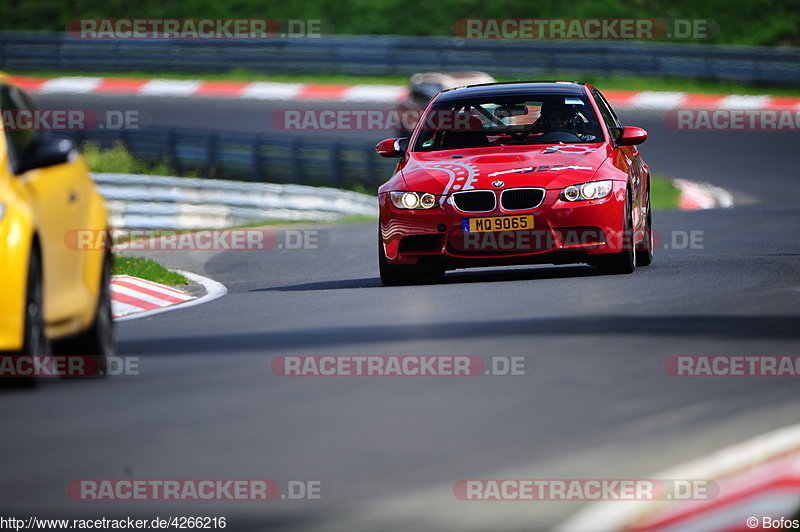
[(392, 147), (45, 151), (632, 136)]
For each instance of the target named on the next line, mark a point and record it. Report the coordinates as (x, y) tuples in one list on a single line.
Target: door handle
[(73, 197)]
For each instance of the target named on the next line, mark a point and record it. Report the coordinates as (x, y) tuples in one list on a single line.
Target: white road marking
[(169, 87), (272, 91), (68, 84)]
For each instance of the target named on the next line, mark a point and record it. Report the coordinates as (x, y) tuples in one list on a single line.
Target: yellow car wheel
[(35, 340)]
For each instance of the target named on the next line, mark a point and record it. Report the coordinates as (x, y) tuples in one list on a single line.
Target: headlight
[(413, 200), (572, 193), (587, 191)]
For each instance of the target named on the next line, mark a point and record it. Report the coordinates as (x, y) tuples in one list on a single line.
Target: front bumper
[(563, 232)]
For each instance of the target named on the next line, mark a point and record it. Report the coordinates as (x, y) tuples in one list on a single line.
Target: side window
[(18, 139), (611, 120)]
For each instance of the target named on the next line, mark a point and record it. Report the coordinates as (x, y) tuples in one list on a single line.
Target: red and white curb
[(132, 297), (757, 478), (131, 294), (663, 101), (262, 90), (259, 90), (694, 195)]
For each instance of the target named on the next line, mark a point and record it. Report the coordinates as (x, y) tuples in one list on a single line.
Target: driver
[(565, 118), (559, 117)]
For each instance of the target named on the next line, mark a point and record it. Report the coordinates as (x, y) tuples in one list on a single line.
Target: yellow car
[(56, 298)]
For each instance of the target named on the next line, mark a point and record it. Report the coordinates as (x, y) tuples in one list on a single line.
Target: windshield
[(508, 120)]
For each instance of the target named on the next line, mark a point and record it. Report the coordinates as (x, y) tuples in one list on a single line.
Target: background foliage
[(751, 22)]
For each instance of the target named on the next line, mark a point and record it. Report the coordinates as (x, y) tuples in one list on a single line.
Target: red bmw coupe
[(515, 173)]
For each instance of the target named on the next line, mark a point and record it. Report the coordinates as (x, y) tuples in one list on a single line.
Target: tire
[(644, 253), (35, 344), (98, 341), (35, 340), (403, 275), (623, 262)]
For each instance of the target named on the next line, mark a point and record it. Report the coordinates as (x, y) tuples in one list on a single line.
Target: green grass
[(119, 160), (601, 82), (664, 194), (146, 269)]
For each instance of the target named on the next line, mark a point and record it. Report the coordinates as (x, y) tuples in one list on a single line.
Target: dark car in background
[(423, 86)]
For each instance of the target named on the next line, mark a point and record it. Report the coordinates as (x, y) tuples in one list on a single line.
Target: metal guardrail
[(247, 157), (161, 202), (387, 54)]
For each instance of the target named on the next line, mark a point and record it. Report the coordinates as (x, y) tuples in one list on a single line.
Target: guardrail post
[(256, 156), (371, 166), (336, 156), (211, 154), (172, 151), (297, 163)]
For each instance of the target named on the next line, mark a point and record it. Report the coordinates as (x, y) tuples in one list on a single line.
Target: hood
[(551, 166)]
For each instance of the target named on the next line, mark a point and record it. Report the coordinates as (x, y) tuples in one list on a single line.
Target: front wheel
[(644, 253), (624, 261), (392, 275), (35, 339)]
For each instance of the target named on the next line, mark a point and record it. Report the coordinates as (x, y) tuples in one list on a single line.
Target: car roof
[(514, 88)]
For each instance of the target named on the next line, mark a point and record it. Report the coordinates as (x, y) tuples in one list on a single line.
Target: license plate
[(497, 223)]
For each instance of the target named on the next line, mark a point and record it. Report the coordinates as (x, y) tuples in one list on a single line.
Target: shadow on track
[(457, 277), (694, 326)]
